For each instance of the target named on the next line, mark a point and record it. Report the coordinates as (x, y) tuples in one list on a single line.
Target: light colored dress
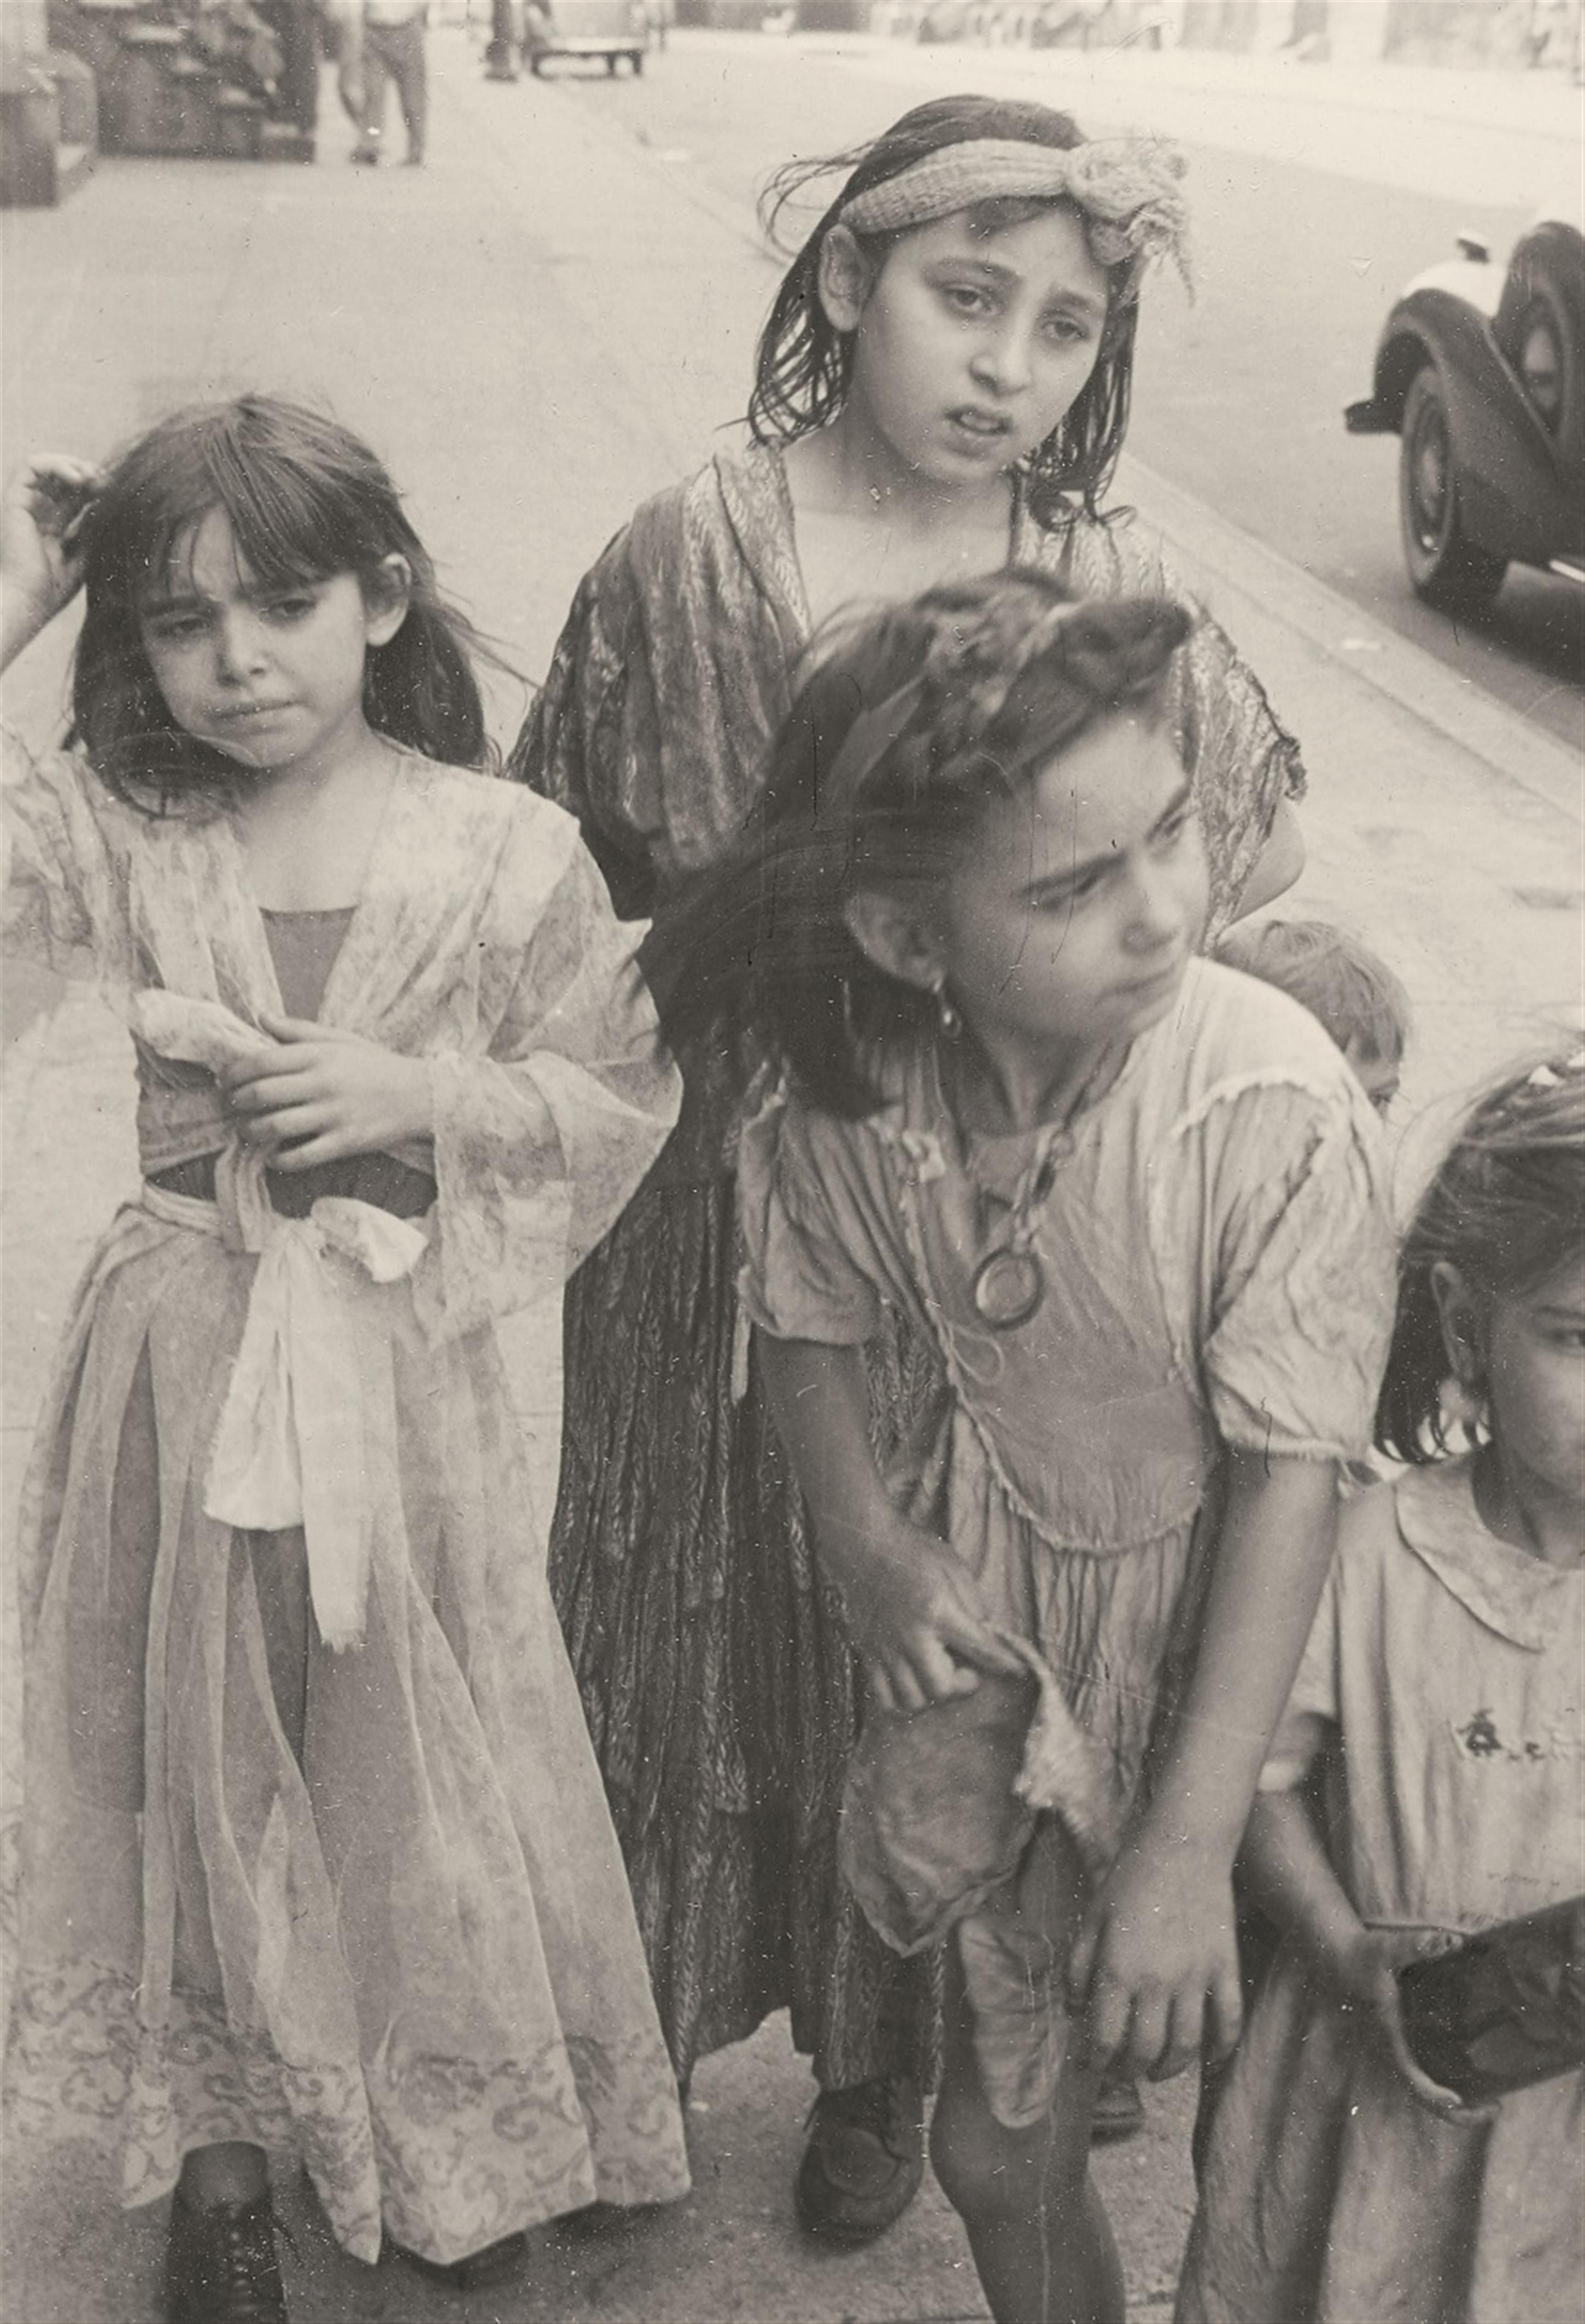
[(715, 1670), (1218, 1267), (1446, 1666), (360, 1904)]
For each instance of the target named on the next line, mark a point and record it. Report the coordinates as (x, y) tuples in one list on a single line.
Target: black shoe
[(220, 2263), (863, 2159), (1119, 2112)]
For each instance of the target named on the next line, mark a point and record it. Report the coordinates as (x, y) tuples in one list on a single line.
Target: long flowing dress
[(1216, 1255), (1443, 1672), (314, 1851), (714, 1668)]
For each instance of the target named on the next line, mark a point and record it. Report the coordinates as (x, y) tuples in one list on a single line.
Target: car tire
[(1450, 572), (1544, 294), (1564, 414)]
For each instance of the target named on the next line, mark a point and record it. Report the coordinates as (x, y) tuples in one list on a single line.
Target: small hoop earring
[(949, 1024)]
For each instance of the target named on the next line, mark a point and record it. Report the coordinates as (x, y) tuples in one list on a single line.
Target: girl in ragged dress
[(1136, 1201), (1427, 1782), (314, 1853), (942, 389)]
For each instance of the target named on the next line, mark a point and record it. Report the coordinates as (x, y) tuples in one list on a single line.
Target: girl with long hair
[(942, 390), (315, 1854), (1134, 1201)]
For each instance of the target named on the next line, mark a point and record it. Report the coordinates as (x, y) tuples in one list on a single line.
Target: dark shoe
[(1119, 2113), (220, 2263), (863, 2159), (478, 2272), (365, 157)]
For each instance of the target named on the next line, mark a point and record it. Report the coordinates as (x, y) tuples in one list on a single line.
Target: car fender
[(1509, 474), (1476, 281)]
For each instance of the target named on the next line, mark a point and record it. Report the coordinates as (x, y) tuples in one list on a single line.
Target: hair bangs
[(803, 365), (943, 707), (304, 499)]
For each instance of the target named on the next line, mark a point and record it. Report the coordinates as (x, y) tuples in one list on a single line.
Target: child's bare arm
[(1156, 1955), (1292, 1879), (913, 1610)]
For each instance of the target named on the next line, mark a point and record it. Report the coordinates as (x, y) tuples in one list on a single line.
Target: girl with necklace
[(1135, 1203)]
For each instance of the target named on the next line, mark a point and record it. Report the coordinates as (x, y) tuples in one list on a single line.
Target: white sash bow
[(293, 1446)]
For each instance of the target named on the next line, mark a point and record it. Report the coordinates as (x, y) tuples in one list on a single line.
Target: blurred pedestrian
[(389, 49), (296, 26), (943, 388), (315, 1852), (501, 58)]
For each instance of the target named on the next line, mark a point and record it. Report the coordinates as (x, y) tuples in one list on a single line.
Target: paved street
[(542, 326)]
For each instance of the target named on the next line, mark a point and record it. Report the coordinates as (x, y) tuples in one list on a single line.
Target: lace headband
[(1127, 186)]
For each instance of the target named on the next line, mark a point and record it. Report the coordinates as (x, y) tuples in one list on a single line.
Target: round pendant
[(1008, 1288)]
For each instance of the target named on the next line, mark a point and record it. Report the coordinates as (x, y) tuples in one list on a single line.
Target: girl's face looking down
[(1526, 1352), (969, 348), (270, 673)]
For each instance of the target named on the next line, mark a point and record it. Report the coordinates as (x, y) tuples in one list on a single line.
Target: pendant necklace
[(1010, 1282)]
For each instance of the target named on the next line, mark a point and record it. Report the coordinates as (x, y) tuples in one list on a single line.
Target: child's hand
[(1366, 1979), (323, 1094), (918, 1617), (1154, 1967), (41, 555)]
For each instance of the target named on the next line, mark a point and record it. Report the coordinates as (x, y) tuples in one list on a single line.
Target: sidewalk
[(539, 329)]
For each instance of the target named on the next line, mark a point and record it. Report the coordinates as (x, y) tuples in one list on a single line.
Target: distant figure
[(383, 41), (501, 58), (294, 23)]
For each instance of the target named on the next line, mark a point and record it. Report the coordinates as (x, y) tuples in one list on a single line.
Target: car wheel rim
[(1541, 365), (1428, 482)]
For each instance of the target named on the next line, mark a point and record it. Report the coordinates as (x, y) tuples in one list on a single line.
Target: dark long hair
[(803, 363), (306, 498), (1506, 1208), (909, 722)]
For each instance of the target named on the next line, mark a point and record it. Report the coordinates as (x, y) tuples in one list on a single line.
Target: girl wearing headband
[(943, 388), (1133, 1200)]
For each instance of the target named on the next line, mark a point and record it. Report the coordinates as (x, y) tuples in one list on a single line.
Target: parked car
[(610, 29), (1480, 372)]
